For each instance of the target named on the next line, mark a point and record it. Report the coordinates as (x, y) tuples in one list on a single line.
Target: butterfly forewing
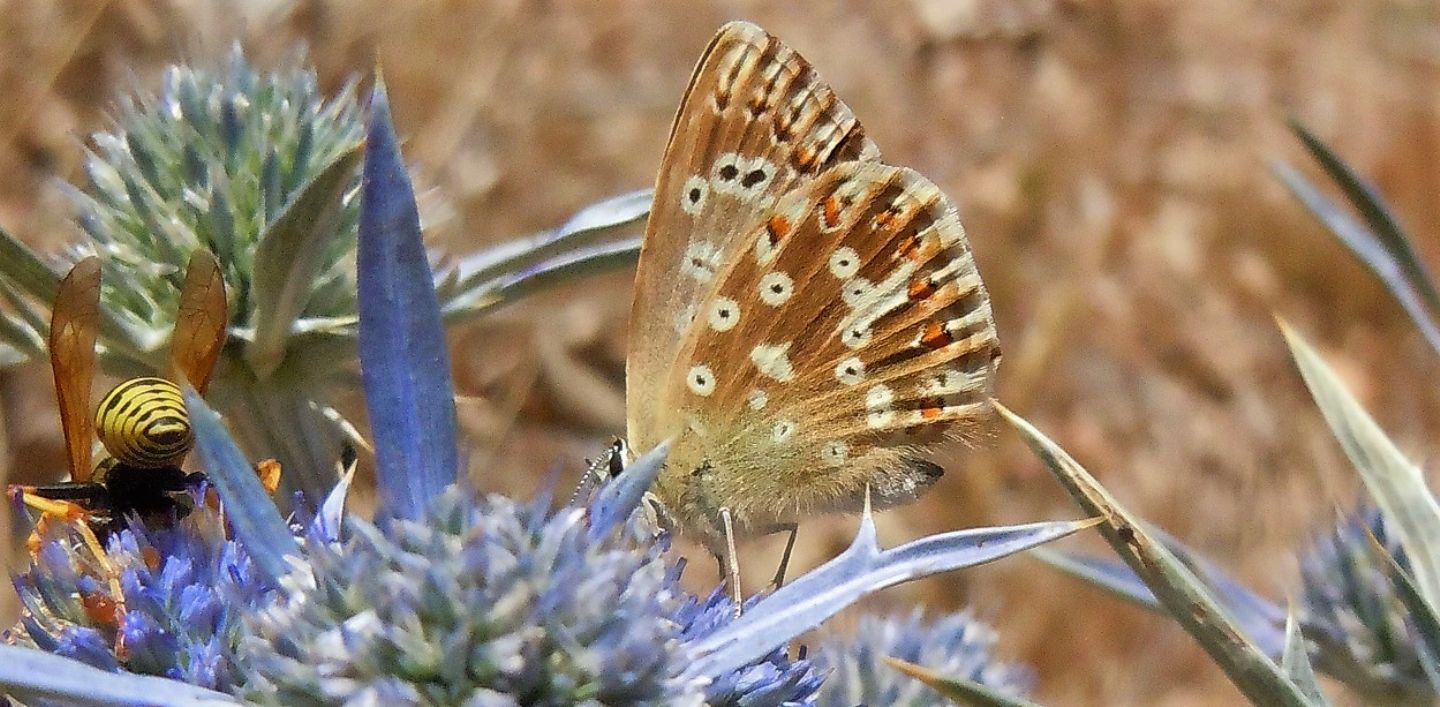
[(200, 322), (803, 340), (755, 122), (73, 322)]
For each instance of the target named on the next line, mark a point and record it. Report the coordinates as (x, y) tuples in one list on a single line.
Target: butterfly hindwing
[(755, 122), (853, 330)]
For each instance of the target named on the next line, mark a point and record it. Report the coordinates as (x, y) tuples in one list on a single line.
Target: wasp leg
[(269, 472), (41, 498)]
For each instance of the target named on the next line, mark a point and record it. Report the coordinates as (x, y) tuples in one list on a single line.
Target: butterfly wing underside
[(865, 336), (73, 321), (200, 322), (755, 122), (807, 319)]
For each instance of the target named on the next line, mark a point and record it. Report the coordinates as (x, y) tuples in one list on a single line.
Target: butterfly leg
[(730, 565), (794, 529)]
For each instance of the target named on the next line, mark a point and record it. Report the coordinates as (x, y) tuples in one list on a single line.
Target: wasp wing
[(199, 323), (72, 358)]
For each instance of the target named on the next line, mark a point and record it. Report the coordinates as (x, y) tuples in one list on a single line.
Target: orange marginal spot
[(909, 247), (212, 498), (101, 610), (779, 229), (805, 158), (151, 556), (831, 211), (269, 473), (920, 289), (932, 408), (935, 336)]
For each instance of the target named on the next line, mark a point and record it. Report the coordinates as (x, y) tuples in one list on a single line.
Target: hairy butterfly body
[(808, 320)]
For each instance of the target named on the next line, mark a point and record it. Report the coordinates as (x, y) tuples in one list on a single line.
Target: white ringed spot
[(850, 371), (725, 176), (701, 261), (856, 290), (855, 337), (700, 380), (879, 396), (878, 419), (835, 453), (755, 176), (776, 288), (693, 194), (724, 314), (684, 319), (844, 263)]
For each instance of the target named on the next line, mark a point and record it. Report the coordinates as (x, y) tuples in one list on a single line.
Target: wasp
[(142, 422)]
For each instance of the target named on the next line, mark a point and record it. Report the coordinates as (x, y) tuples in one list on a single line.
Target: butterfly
[(807, 319)]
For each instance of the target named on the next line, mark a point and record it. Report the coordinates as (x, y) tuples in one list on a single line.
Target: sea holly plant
[(445, 596), (1366, 611), (260, 168)]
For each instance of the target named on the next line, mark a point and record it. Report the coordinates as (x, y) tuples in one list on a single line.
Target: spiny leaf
[(1182, 594), (1296, 663), (861, 570), (248, 506), (39, 677), (961, 690), (1396, 484), (289, 256), (403, 358)]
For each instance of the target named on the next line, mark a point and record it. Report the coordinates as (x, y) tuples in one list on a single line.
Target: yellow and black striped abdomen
[(143, 423)]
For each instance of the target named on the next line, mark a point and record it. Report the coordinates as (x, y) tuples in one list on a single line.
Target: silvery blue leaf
[(618, 498), (32, 675), (403, 357), (248, 506), (1396, 483), (1296, 663), (859, 571)]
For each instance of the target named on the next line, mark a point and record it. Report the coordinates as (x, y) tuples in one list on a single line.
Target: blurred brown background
[(1109, 162)]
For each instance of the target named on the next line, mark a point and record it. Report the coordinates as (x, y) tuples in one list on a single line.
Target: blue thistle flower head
[(1351, 607), (773, 681), (162, 601), (485, 597), (957, 645)]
